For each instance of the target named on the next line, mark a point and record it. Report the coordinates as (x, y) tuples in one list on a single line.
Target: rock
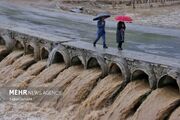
[(77, 10)]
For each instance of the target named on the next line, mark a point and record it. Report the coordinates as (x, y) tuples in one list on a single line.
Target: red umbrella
[(124, 19)]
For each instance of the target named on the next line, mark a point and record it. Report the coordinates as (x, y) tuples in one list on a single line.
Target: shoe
[(105, 47), (94, 44), (120, 49)]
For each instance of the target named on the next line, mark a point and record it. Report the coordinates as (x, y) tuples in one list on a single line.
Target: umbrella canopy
[(124, 19), (102, 15)]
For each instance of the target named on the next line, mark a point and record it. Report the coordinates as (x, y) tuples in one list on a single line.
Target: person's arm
[(122, 34), (124, 26)]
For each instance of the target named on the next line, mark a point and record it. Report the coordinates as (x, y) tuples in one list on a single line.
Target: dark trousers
[(120, 44), (103, 39)]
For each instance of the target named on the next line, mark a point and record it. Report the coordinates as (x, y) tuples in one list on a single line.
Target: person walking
[(120, 33), (101, 32)]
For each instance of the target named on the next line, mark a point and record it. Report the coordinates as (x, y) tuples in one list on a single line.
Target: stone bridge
[(159, 71)]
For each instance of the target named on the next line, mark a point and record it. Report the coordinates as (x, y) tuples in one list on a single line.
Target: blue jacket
[(101, 27)]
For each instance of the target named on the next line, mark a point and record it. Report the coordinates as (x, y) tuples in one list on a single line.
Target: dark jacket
[(101, 27), (120, 32)]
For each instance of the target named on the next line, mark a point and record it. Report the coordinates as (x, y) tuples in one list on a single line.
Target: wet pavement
[(75, 27)]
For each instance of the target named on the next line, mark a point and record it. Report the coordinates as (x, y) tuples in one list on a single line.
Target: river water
[(84, 94), (159, 41)]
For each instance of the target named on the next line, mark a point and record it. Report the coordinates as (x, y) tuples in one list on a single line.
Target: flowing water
[(80, 88), (128, 99), (62, 81), (26, 111), (10, 72), (158, 105), (101, 96), (11, 58), (175, 115), (22, 80), (47, 75), (84, 95)]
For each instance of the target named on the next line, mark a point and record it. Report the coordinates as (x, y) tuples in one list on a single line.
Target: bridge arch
[(77, 60), (142, 70), (2, 41), (19, 45), (97, 61), (140, 74), (58, 55), (30, 49), (121, 67), (5, 51), (44, 53), (93, 62), (58, 58), (5, 39), (77, 57), (168, 80), (114, 68)]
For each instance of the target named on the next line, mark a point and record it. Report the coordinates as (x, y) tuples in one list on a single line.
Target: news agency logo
[(14, 94), (18, 92), (33, 92)]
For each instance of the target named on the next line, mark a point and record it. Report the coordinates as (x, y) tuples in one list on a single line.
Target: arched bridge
[(158, 70)]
